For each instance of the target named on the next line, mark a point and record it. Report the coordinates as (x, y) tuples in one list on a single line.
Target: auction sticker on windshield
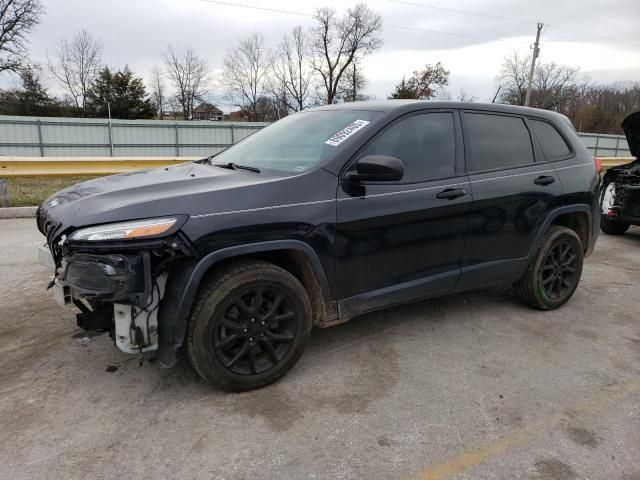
[(346, 132)]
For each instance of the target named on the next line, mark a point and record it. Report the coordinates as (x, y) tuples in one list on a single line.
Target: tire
[(613, 227), (249, 325), (559, 254), (607, 199)]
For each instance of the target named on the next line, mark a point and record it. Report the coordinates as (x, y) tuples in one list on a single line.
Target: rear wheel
[(554, 272), (612, 227), (607, 201), (250, 324)]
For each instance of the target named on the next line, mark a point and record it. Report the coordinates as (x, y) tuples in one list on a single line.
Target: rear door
[(401, 240), (513, 190)]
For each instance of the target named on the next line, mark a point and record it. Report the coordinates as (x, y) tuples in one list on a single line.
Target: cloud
[(134, 32)]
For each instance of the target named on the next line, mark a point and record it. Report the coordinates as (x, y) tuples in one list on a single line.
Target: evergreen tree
[(423, 84), (31, 98), (403, 90), (120, 91)]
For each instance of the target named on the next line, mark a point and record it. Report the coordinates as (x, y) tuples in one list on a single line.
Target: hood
[(176, 190), (631, 127)]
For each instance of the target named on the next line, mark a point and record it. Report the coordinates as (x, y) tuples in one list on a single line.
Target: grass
[(32, 191)]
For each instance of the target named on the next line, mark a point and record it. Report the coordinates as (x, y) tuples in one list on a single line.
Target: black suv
[(322, 216)]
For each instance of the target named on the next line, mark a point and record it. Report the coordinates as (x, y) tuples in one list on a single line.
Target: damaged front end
[(621, 194), (116, 274)]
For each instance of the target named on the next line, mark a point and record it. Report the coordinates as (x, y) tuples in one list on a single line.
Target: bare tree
[(553, 85), (17, 19), (601, 108), (337, 41), (280, 102), (75, 66), (292, 70), (158, 91), (513, 78), (189, 75), (246, 73), (352, 83), (463, 96)]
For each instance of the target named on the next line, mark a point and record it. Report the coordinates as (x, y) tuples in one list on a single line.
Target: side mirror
[(376, 168)]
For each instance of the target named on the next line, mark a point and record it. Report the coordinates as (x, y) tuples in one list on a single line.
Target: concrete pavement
[(473, 385)]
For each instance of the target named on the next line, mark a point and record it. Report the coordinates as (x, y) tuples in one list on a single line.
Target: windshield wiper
[(235, 166), (206, 159)]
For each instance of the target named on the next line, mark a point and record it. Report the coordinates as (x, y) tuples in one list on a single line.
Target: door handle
[(451, 193), (544, 180)]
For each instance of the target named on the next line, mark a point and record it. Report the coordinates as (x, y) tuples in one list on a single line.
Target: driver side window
[(425, 143)]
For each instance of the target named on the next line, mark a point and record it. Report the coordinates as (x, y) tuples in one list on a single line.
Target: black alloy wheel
[(249, 325), (554, 271), (256, 331), (558, 272)]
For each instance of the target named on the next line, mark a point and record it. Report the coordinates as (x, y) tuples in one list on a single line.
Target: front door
[(398, 241)]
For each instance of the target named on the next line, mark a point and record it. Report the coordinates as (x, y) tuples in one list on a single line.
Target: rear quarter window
[(497, 141), (553, 144)]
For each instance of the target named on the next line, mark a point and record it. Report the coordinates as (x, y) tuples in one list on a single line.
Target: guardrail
[(77, 166), (15, 167)]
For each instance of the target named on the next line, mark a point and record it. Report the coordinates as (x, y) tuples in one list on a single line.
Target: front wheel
[(554, 272), (249, 325)]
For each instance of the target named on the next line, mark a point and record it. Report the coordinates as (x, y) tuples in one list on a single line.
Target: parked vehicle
[(620, 197), (322, 216)]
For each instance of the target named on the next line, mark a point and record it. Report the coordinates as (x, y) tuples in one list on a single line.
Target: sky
[(600, 37)]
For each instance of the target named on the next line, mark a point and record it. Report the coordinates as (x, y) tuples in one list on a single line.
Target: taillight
[(598, 162)]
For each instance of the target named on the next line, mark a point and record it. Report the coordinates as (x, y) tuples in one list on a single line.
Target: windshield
[(297, 142)]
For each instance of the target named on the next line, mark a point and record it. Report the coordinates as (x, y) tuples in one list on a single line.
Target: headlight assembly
[(124, 230)]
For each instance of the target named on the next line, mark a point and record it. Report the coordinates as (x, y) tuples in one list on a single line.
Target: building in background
[(238, 116), (207, 111)]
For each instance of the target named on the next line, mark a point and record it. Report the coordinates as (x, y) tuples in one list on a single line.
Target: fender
[(555, 213), (184, 283)]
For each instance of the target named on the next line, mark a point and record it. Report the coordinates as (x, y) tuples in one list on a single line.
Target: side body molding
[(185, 280)]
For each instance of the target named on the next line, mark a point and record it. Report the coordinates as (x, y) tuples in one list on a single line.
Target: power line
[(253, 7), (587, 34), (455, 10), (302, 14), (511, 19), (440, 32), (424, 30)]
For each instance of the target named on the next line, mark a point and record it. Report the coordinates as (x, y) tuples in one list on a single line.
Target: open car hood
[(631, 127)]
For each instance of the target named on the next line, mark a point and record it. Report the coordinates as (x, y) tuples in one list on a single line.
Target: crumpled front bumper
[(104, 278), (111, 282)]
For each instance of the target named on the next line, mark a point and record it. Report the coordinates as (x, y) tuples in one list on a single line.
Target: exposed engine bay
[(621, 196), (620, 199)]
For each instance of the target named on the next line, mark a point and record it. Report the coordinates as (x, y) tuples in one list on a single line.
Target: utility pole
[(536, 51), (496, 95)]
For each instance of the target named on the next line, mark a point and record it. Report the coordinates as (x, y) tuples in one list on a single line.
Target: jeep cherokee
[(319, 217)]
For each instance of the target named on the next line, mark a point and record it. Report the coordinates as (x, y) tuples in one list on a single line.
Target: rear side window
[(425, 143), (497, 141), (553, 145)]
